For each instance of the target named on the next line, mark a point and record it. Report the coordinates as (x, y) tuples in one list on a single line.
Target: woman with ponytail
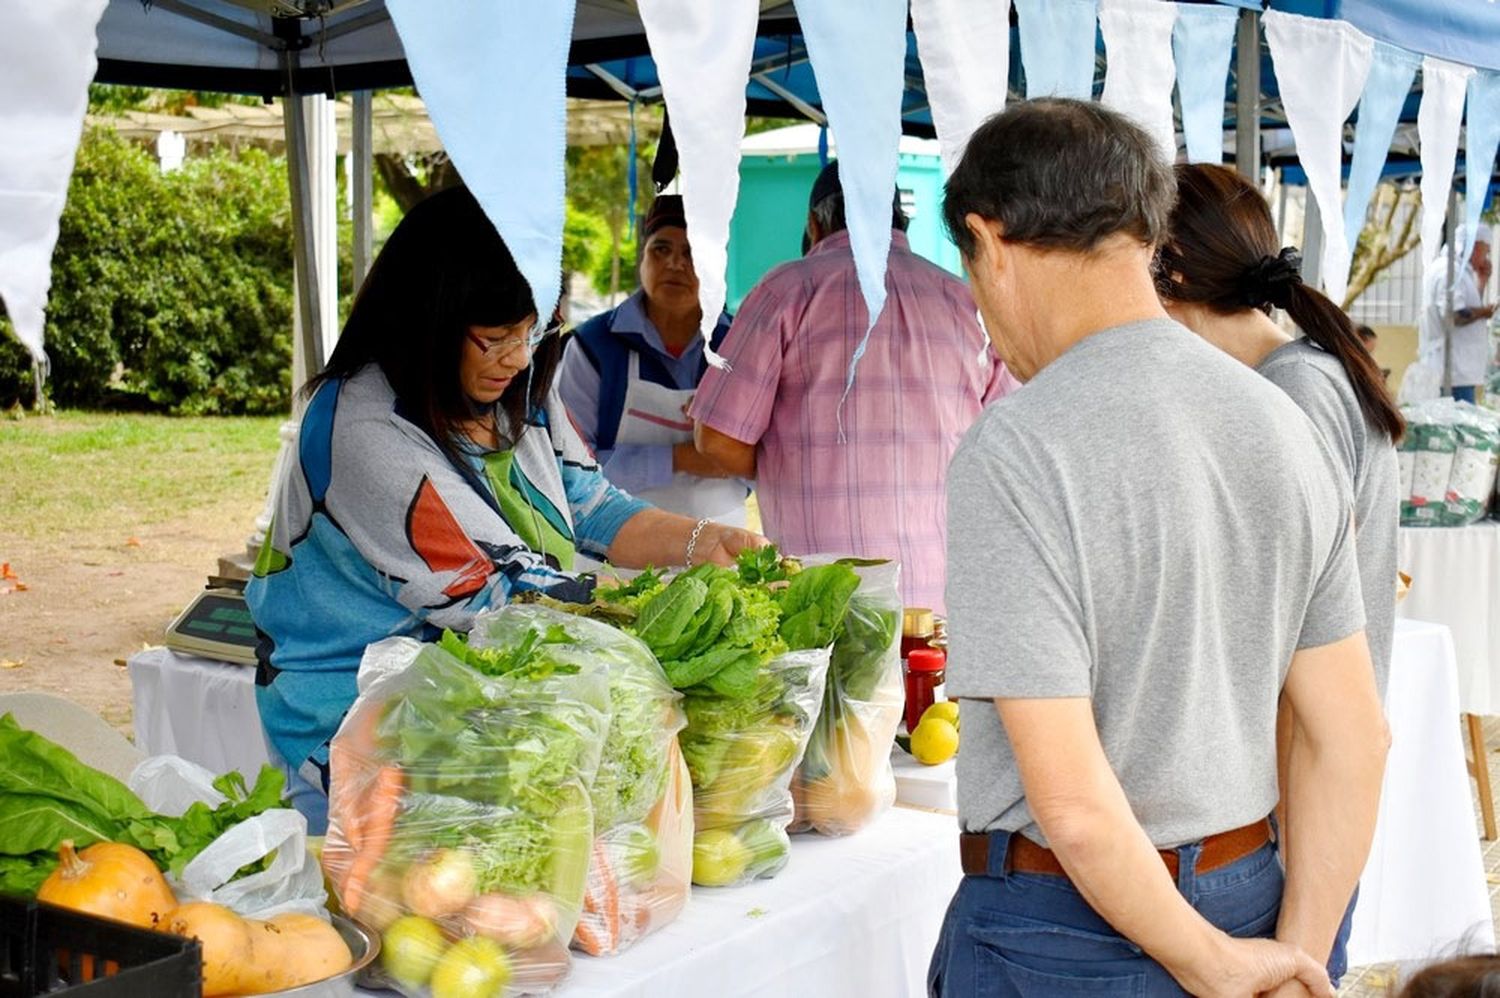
[(1220, 272)]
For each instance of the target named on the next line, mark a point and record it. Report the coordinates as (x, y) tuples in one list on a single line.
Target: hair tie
[(1272, 279)]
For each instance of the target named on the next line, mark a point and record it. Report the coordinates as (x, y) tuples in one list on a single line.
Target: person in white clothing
[(1470, 329), (628, 375)]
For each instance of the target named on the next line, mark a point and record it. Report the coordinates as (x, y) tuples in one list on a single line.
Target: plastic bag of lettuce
[(641, 863), (749, 649), (460, 814)]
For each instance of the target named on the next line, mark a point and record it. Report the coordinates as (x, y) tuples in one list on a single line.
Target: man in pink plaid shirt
[(926, 375)]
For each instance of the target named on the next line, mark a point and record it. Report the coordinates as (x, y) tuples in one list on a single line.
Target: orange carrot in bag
[(378, 820)]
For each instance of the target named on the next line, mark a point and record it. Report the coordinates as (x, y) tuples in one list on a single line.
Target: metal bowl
[(364, 946)]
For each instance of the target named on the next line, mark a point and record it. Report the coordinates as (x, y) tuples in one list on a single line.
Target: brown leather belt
[(1025, 856)]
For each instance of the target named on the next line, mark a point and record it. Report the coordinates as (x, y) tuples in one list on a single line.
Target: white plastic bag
[(292, 881)]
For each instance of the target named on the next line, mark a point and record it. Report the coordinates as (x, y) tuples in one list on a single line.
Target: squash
[(245, 956), (111, 880), (225, 940), (291, 950)]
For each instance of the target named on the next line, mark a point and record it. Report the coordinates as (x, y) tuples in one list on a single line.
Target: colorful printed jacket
[(378, 534)]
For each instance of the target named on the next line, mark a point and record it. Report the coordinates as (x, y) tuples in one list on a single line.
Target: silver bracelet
[(693, 541)]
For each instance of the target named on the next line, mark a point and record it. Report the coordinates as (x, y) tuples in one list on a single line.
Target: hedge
[(169, 291)]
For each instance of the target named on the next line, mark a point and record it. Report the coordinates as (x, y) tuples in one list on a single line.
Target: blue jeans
[(1028, 935), (1464, 393), (306, 788)]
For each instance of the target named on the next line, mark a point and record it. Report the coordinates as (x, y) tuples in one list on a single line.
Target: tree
[(1393, 228), (414, 176), (598, 184)]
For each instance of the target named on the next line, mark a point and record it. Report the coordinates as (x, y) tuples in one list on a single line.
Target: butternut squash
[(245, 956), (111, 880)]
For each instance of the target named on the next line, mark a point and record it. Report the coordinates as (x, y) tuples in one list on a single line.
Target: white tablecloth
[(1455, 580), (197, 708), (1423, 889)]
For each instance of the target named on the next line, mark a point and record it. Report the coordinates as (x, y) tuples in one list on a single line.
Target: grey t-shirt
[(1317, 383), (1150, 524)]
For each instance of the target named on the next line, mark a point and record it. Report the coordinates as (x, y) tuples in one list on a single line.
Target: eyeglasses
[(499, 348)]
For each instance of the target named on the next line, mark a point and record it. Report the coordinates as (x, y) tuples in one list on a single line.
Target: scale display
[(215, 625)]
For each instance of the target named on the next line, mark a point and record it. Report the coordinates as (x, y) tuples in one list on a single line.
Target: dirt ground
[(90, 602)]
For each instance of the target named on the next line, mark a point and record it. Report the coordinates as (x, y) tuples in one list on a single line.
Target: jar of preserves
[(925, 672)]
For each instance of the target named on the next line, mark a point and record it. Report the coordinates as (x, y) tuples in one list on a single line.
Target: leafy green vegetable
[(760, 565), (664, 620), (812, 607), (47, 795)]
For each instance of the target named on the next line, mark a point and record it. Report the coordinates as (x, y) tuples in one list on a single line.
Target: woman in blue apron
[(628, 375)]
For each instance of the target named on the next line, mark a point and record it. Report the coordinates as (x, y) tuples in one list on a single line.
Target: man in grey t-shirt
[(1148, 547)]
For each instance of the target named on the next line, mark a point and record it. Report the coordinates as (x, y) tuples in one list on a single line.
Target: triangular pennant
[(1439, 120), (1482, 139), (492, 76), (1391, 72), (1321, 66), (702, 55), (46, 63), (1202, 40), (965, 51), (1139, 72), (858, 56), (1057, 47)]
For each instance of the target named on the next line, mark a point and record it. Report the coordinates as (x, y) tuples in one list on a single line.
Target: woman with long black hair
[(1220, 272), (437, 474)]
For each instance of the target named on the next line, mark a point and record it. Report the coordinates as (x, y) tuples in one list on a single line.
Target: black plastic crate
[(46, 950)]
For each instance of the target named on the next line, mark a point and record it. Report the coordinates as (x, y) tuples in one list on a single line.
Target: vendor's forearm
[(736, 457), (687, 459), (651, 537), (1331, 796)]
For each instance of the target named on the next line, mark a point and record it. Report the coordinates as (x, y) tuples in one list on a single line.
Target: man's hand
[(1250, 967), (736, 457), (687, 459)]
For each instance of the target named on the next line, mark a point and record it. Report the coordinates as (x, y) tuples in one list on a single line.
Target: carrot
[(586, 937), (601, 904), (381, 805)]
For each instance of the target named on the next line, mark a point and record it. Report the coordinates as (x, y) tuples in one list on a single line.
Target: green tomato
[(719, 858), (472, 968), (410, 949), (768, 845)]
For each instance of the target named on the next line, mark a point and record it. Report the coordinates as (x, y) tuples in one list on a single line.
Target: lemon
[(946, 710), (935, 741)]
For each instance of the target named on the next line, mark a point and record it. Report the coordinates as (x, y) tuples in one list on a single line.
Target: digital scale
[(216, 625)]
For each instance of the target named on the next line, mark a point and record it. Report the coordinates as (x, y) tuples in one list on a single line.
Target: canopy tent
[(302, 47)]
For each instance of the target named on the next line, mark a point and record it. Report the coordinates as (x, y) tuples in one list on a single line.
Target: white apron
[(656, 416)]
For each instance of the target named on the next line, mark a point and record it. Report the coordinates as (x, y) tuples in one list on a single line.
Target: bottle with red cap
[(924, 682)]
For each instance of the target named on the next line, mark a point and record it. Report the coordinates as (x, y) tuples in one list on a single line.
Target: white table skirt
[(197, 708), (1455, 580), (1424, 890)]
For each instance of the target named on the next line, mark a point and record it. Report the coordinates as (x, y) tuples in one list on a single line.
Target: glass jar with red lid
[(925, 671)]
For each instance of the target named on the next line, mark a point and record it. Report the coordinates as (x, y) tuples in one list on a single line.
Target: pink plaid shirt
[(922, 382)]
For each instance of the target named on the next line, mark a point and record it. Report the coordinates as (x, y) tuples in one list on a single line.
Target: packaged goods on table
[(1448, 463), (460, 821), (750, 653), (642, 860), (845, 779)]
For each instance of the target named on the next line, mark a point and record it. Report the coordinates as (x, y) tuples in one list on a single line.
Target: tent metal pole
[(310, 340), (1247, 96), (192, 13), (1451, 227), (362, 181)]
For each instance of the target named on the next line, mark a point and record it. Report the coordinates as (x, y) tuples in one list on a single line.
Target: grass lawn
[(107, 472)]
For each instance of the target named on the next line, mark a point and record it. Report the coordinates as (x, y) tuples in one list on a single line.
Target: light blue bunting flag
[(492, 75), (1057, 47), (1483, 139), (858, 54), (1202, 40), (1391, 72)]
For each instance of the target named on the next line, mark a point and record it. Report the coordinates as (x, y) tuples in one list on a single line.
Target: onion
[(441, 885), (515, 923)]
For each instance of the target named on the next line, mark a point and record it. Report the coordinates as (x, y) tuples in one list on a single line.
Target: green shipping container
[(777, 170)]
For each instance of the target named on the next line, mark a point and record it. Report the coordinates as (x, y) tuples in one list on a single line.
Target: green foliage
[(169, 291)]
